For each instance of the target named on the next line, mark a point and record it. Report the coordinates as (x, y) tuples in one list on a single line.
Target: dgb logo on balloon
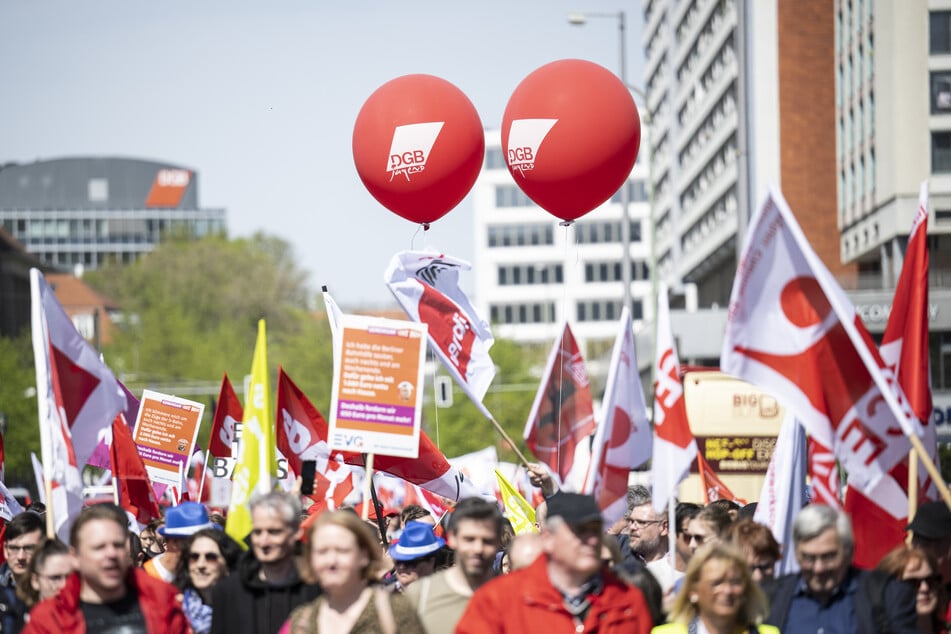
[(525, 137), (410, 148)]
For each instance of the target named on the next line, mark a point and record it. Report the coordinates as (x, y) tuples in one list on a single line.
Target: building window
[(529, 274), (520, 235), (527, 313), (941, 152), (598, 310), (98, 190), (494, 158), (940, 30), (511, 196), (637, 192), (940, 92)]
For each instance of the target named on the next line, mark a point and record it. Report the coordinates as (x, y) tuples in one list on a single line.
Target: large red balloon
[(571, 134), (418, 145)]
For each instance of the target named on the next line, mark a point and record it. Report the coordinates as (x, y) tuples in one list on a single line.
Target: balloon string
[(432, 361), (423, 226), (561, 353)]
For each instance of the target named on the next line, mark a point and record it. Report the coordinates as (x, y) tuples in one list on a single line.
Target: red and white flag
[(622, 441), (711, 485), (784, 489), (675, 448), (89, 396), (824, 483), (228, 411), (563, 412), (426, 285), (77, 396), (430, 471), (792, 331), (129, 475), (880, 513), (302, 435)]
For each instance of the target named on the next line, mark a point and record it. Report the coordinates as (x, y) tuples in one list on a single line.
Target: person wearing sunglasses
[(415, 553), (207, 557), (918, 569), (48, 570)]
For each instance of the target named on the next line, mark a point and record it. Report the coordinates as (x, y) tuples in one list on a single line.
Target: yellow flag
[(519, 512), (255, 469)]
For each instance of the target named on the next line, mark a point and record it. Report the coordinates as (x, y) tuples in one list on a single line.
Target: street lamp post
[(580, 19)]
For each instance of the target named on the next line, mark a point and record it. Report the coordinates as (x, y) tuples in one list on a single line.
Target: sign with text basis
[(165, 432), (377, 389)]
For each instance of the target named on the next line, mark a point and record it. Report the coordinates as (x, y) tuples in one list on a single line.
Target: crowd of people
[(714, 570)]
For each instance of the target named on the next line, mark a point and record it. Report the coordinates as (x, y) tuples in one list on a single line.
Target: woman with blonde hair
[(718, 596), (344, 558)]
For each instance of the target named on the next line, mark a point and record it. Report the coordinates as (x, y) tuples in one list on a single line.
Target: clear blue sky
[(261, 97)]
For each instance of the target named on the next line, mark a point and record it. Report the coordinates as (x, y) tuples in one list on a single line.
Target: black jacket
[(241, 602), (893, 600)]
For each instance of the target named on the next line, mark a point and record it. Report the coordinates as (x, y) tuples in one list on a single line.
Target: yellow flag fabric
[(519, 512), (255, 469)]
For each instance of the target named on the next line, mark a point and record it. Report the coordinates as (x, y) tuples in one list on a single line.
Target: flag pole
[(912, 490), (50, 507), (376, 501), (367, 486), (204, 475)]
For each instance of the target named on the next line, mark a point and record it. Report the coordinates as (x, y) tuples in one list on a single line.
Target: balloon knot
[(566, 223), (425, 226)]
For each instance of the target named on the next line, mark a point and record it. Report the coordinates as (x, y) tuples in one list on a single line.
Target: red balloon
[(571, 134), (418, 146)]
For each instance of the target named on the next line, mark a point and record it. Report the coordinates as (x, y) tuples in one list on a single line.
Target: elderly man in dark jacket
[(830, 594), (259, 596)]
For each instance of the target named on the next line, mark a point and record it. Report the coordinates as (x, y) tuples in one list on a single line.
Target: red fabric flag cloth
[(622, 441), (563, 412), (227, 413), (792, 331), (713, 487), (675, 448), (129, 474), (880, 513)]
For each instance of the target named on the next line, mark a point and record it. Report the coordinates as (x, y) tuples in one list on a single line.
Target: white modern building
[(532, 274)]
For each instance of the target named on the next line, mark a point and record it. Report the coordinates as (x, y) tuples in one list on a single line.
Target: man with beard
[(567, 588), (649, 540), (475, 534)]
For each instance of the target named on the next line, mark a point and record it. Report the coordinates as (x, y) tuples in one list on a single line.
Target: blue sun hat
[(185, 520), (416, 541)]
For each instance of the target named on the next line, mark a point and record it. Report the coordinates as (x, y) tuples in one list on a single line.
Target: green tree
[(18, 405)]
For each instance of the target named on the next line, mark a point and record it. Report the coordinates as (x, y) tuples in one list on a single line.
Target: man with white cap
[(181, 522), (415, 553)]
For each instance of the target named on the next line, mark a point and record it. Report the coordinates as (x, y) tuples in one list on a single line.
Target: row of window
[(528, 274), (611, 271), (544, 234), (544, 312), (114, 230)]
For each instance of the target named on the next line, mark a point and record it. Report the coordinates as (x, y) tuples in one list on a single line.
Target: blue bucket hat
[(185, 520), (417, 541)]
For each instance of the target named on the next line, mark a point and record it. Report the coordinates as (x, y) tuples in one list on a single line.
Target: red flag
[(302, 435), (793, 331), (674, 445), (77, 397), (622, 441), (89, 396), (227, 413), (880, 513), (563, 413), (713, 488), (129, 474), (823, 475)]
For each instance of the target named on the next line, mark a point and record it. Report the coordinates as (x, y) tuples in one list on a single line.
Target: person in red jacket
[(106, 594), (567, 589)]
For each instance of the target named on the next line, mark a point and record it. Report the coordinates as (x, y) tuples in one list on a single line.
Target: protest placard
[(165, 432)]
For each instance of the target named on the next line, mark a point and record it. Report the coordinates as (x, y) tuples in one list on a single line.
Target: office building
[(85, 212), (532, 274)]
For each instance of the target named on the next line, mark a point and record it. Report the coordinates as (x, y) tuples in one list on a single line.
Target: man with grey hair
[(829, 594), (648, 539), (260, 594)]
